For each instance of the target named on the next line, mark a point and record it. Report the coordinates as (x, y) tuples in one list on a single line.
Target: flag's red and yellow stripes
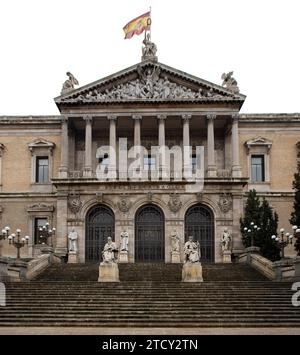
[(138, 25)]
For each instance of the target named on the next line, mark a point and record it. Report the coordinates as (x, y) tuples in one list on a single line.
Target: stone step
[(149, 295), (150, 272)]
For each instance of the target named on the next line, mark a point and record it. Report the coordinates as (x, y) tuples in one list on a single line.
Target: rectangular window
[(194, 163), (42, 170), (257, 168), (38, 222), (149, 163)]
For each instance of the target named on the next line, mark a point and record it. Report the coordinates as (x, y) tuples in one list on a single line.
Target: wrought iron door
[(149, 235), (199, 223), (100, 224)]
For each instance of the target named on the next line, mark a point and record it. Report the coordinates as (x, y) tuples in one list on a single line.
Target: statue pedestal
[(226, 256), (192, 272), (108, 272), (73, 257), (175, 257), (123, 256)]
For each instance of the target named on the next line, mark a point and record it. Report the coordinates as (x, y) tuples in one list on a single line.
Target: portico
[(93, 126)]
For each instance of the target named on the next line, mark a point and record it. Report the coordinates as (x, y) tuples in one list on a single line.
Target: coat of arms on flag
[(138, 25)]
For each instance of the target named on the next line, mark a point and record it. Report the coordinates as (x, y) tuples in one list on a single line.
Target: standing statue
[(229, 82), (110, 251), (226, 240), (124, 241), (149, 50), (69, 84), (175, 241), (73, 237), (192, 251)]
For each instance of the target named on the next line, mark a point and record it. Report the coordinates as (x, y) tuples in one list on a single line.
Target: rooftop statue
[(149, 50), (229, 82), (69, 84)]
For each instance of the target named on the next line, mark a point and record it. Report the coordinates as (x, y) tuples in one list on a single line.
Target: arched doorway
[(100, 224), (199, 223), (149, 234)]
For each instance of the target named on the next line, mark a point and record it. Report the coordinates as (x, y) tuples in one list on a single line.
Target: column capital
[(137, 117), (161, 117), (88, 118), (112, 117), (186, 117), (235, 117), (211, 116)]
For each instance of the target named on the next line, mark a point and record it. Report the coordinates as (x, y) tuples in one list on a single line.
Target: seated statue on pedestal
[(110, 251), (192, 251)]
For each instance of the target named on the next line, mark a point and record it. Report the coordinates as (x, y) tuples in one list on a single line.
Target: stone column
[(64, 163), (137, 129), (235, 165), (186, 146), (61, 246), (211, 164), (113, 146), (162, 144), (88, 147)]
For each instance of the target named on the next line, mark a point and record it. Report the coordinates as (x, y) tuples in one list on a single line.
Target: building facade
[(50, 165)]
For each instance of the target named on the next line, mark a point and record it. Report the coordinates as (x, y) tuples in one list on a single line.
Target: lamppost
[(296, 235), (285, 239), (44, 233), (18, 242), (252, 230), (4, 233)]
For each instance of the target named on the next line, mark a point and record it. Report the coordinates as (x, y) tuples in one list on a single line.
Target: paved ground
[(147, 331)]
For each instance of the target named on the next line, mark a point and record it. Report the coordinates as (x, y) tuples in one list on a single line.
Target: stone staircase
[(158, 272), (150, 295)]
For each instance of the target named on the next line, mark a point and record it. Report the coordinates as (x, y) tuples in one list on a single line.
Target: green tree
[(262, 215), (295, 215), (268, 227), (252, 214)]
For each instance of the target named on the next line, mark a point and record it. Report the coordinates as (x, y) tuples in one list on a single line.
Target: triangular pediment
[(41, 143), (149, 82), (258, 141)]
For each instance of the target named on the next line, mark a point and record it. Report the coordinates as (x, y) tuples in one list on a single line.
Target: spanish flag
[(138, 25)]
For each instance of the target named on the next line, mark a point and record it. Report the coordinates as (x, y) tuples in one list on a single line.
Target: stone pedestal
[(192, 272), (175, 257), (108, 272), (226, 256), (123, 256), (285, 269), (73, 257)]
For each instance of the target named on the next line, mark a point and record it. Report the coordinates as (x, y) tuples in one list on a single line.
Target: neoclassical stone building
[(48, 164)]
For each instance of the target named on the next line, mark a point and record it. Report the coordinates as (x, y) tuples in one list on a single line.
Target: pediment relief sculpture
[(150, 82)]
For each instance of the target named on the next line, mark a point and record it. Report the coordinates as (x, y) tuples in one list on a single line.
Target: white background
[(42, 39)]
